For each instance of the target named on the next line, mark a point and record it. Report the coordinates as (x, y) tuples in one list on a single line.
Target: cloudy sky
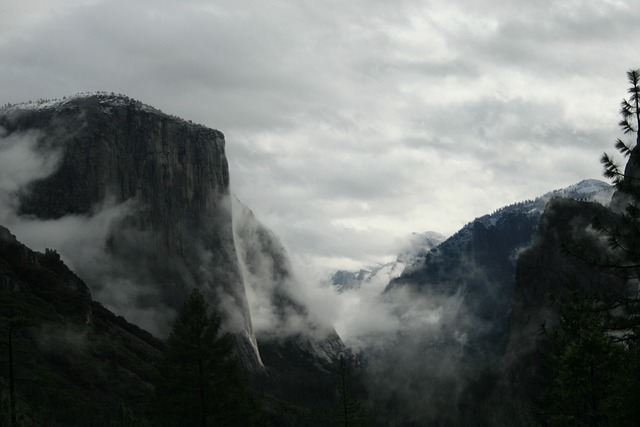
[(350, 124)]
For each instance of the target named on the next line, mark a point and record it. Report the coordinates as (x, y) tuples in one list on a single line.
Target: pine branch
[(627, 127), (611, 169), (623, 147), (634, 78), (626, 110)]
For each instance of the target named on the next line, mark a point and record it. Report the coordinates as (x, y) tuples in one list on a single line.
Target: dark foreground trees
[(623, 237), (592, 379), (349, 411), (200, 381), (593, 367)]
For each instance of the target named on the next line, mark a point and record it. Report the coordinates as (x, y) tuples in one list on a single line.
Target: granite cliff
[(176, 233), (164, 183), (547, 273), (300, 351)]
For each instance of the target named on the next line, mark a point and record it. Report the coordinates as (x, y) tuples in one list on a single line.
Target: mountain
[(74, 360), (418, 246), (294, 344), (137, 203), (571, 350), (169, 177), (453, 307), (130, 208), (477, 264), (548, 269)]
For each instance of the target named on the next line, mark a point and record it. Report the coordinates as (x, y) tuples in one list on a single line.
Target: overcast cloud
[(351, 124)]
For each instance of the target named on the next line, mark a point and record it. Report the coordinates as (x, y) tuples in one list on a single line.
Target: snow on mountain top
[(589, 190), (587, 186), (379, 275), (420, 244), (107, 100)]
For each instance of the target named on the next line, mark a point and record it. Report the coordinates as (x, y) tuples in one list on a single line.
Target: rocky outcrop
[(293, 342), (545, 272), (172, 180)]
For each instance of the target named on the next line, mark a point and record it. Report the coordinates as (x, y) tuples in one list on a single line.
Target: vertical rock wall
[(174, 176)]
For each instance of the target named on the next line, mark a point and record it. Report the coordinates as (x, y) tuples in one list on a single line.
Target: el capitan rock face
[(145, 197), (114, 146), (161, 185), (170, 178)]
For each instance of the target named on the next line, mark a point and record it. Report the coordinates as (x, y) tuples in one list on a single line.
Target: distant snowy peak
[(419, 245), (588, 190), (380, 275), (592, 190)]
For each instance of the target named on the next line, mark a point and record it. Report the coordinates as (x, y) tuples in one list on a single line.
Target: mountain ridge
[(157, 187), (452, 309), (75, 359)]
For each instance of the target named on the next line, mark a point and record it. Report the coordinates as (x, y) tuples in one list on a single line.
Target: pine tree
[(593, 371), (9, 328), (349, 411), (200, 381), (626, 182), (623, 236), (125, 418), (585, 373)]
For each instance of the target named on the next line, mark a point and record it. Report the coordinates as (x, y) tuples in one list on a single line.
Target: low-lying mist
[(425, 348)]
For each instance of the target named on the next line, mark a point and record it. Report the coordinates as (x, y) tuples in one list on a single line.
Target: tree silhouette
[(593, 369), (200, 381), (586, 378), (349, 411), (10, 326), (623, 236), (626, 181)]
